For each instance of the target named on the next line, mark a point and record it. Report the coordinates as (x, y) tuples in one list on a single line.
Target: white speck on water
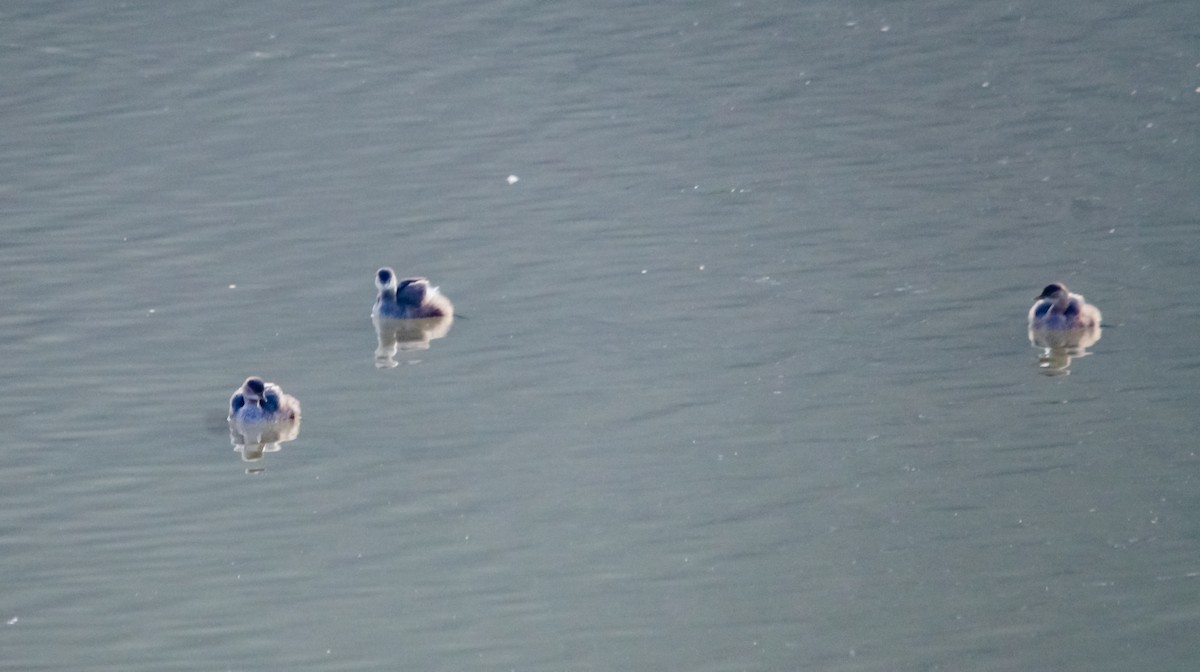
[(513, 179), (702, 267), (233, 286), (885, 29), (986, 84), (12, 621), (644, 271)]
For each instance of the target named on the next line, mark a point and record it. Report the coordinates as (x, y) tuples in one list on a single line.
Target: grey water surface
[(741, 379)]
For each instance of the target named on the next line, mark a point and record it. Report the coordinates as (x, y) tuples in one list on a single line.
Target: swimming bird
[(259, 401), (1059, 308), (408, 299)]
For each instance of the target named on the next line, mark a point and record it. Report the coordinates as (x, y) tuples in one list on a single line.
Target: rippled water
[(740, 379)]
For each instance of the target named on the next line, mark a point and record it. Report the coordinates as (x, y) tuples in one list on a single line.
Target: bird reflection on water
[(406, 336), (252, 441)]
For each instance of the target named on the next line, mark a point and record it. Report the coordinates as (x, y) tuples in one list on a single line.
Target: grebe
[(258, 401), (408, 299), (1059, 308)]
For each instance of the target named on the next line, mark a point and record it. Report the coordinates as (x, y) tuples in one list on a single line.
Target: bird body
[(1059, 308), (408, 298), (257, 401)]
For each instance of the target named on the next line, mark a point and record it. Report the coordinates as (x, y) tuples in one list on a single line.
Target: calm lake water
[(741, 381)]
